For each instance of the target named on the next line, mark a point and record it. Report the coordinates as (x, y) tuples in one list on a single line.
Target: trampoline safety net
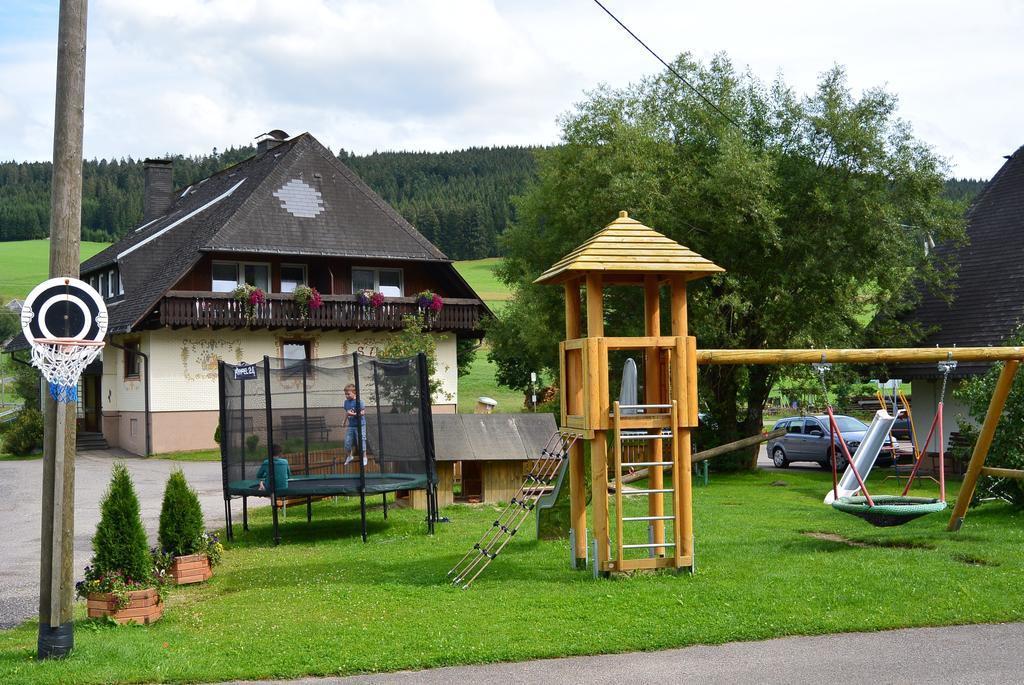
[(350, 425)]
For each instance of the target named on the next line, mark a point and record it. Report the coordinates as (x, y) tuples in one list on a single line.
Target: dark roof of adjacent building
[(295, 198), (987, 303), (492, 437)]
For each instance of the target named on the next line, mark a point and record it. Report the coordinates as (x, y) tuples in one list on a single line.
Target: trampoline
[(300, 416)]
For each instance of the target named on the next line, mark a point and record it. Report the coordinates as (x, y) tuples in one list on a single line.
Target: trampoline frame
[(271, 492)]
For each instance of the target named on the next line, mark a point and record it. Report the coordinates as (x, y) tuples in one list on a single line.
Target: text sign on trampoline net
[(245, 373)]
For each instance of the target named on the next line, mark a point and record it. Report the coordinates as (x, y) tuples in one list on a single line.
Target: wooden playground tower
[(626, 252)]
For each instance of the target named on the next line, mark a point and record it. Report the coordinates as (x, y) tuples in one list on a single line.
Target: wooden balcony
[(192, 309)]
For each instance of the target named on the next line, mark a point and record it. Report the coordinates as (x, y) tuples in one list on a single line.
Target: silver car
[(807, 439)]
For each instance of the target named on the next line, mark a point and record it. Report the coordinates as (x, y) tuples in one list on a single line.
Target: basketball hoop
[(65, 320)]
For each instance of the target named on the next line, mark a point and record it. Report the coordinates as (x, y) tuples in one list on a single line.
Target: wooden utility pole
[(57, 554)]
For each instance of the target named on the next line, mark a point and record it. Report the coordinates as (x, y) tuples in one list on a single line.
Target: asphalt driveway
[(20, 514)]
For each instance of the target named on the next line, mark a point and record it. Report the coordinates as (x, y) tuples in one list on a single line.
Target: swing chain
[(945, 367), (822, 369)]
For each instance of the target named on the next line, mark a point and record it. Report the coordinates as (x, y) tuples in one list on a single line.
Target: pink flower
[(315, 301), (377, 299), (257, 297), (436, 303)]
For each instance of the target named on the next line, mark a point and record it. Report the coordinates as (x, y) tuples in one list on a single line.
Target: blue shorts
[(351, 439)]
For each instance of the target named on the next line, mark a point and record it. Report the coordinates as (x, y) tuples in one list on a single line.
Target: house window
[(258, 275), (295, 352), (112, 283), (386, 281), (131, 360), (225, 276), (292, 276), (103, 285)]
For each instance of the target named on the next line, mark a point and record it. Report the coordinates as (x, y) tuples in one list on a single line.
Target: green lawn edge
[(324, 603)]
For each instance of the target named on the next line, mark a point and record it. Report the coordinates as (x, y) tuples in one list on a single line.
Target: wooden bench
[(317, 425)]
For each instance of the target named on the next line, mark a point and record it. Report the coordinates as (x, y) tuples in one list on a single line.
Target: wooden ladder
[(665, 553)]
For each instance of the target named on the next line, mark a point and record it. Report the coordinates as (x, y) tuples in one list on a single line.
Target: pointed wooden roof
[(625, 251)]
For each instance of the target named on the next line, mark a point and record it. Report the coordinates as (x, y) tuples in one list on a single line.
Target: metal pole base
[(55, 643)]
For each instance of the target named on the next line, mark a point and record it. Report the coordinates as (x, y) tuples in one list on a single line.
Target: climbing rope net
[(544, 472)]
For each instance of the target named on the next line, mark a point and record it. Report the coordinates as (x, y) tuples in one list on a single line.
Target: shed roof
[(625, 251), (491, 437)]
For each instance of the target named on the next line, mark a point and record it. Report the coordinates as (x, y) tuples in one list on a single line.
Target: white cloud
[(191, 75)]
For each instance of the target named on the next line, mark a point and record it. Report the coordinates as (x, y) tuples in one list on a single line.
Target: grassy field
[(479, 273), (480, 382), (191, 455), (772, 561), (25, 264)]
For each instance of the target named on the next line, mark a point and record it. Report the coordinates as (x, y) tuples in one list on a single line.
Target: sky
[(187, 76)]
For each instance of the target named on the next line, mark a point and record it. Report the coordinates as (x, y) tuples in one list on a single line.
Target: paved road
[(962, 654), (20, 513)]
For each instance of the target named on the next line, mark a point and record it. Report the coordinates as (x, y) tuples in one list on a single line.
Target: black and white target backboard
[(64, 308)]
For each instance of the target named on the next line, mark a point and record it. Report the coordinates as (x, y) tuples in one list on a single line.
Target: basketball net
[(61, 361)]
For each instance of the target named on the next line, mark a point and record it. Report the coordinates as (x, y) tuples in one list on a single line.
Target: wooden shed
[(486, 455)]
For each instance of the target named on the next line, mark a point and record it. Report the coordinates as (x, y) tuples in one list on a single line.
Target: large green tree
[(817, 206)]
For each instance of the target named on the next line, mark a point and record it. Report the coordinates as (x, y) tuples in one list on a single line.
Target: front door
[(90, 402)]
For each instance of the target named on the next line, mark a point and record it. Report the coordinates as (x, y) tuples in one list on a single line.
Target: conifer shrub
[(181, 518), (121, 560), (25, 434)]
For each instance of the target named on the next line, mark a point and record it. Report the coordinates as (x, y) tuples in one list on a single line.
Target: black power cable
[(672, 69)]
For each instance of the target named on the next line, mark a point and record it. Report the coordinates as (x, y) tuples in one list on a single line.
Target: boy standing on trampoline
[(355, 411)]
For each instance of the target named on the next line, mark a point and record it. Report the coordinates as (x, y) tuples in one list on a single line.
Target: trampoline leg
[(309, 509), (245, 513), (362, 509), (230, 533), (273, 509), (385, 498)]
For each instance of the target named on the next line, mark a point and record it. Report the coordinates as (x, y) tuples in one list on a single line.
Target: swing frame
[(1011, 356)]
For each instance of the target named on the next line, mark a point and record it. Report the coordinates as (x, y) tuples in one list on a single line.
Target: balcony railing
[(180, 309)]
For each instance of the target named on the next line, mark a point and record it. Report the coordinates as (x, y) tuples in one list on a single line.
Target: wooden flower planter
[(192, 568), (144, 607)]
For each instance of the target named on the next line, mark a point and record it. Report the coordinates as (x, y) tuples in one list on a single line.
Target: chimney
[(270, 139), (159, 188)]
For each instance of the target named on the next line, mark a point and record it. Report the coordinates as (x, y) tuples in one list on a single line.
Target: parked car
[(901, 429), (807, 439)]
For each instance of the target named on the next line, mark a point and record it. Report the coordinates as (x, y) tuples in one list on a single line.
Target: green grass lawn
[(479, 273), (25, 264), (325, 603), (191, 455), (480, 381)]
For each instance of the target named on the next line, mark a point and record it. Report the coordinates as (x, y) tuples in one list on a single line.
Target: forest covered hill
[(461, 200)]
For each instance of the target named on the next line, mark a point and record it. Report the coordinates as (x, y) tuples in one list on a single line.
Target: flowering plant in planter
[(370, 298), (120, 581), (429, 301), (307, 298), (249, 296)]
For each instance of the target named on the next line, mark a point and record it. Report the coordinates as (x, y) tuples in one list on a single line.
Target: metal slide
[(865, 456), (548, 468)]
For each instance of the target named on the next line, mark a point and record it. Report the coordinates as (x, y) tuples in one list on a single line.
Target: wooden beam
[(595, 306), (981, 447), (572, 393), (1015, 474), (865, 356), (716, 452), (653, 395)]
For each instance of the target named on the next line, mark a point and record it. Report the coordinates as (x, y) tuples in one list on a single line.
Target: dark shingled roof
[(354, 221), (988, 295), (241, 209)]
